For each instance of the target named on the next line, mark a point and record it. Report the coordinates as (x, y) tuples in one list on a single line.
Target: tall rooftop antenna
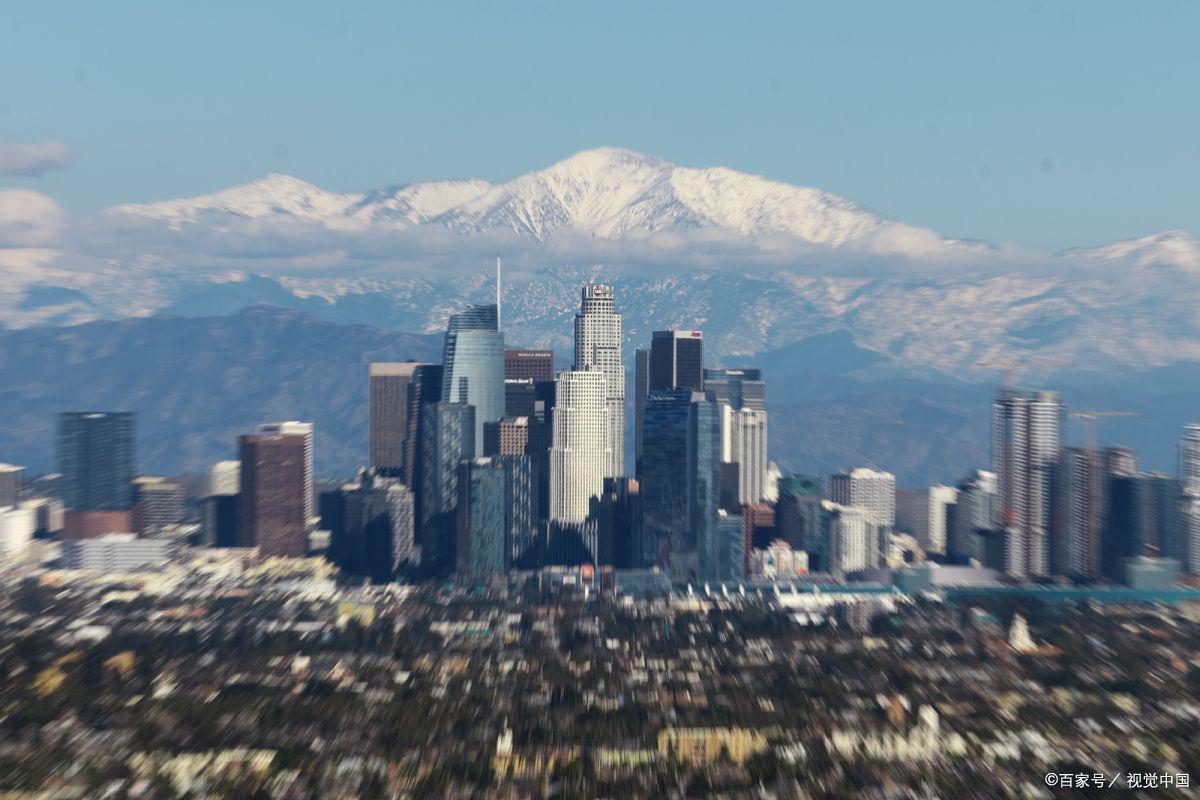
[(497, 291)]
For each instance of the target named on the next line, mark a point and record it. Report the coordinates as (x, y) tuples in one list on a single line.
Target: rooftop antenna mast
[(497, 291)]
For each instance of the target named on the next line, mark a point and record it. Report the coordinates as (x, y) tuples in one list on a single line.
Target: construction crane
[(1089, 423)]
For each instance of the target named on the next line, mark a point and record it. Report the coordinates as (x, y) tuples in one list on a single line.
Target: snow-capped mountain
[(1171, 248), (758, 264), (610, 193)]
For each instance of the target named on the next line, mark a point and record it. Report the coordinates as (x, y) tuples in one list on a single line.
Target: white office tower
[(1189, 523), (923, 513), (305, 429), (224, 479), (939, 497), (1026, 438), (869, 489), (851, 538), (744, 442), (17, 526), (1189, 459), (598, 346), (579, 457)]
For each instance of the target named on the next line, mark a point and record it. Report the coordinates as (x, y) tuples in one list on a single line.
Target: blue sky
[(1048, 124)]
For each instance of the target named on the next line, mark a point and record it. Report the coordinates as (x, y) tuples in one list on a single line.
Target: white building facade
[(1026, 439), (1189, 459), (598, 346), (580, 457), (744, 442)]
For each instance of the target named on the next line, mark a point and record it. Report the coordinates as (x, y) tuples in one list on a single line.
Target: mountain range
[(766, 269)]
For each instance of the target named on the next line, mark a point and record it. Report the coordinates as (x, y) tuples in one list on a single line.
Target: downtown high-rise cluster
[(492, 461)]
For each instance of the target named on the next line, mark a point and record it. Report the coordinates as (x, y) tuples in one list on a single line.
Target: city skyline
[(622, 400)]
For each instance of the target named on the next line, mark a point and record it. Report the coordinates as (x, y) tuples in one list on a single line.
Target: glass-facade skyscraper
[(663, 472), (448, 439), (1026, 436), (703, 479), (97, 458), (676, 360), (473, 362)]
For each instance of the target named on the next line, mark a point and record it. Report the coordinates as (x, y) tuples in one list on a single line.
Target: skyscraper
[(1144, 519), (703, 484), (974, 510), (424, 390), (1118, 460), (618, 515), (923, 513), (305, 431), (387, 424), (744, 444), (579, 453), (1076, 511), (869, 489), (494, 524), (1026, 436), (473, 362), (97, 459), (158, 505), (598, 346), (798, 511), (641, 387), (676, 360), (663, 472), (520, 397), (508, 436), (739, 388), (850, 542), (10, 484), (532, 365), (221, 504), (275, 493), (448, 438), (1189, 459), (1189, 524), (741, 394), (371, 534)]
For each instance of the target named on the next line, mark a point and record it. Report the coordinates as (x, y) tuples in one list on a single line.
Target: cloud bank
[(31, 159)]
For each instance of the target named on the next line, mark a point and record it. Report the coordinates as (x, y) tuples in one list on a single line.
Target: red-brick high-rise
[(273, 489)]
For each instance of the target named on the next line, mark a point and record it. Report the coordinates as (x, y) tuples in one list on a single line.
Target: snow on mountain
[(608, 193), (614, 193), (1171, 248), (416, 203), (274, 194)]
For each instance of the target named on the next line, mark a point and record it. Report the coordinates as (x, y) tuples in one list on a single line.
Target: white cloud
[(28, 219), (33, 158)]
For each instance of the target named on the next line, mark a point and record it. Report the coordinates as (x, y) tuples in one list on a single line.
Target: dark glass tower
[(495, 515), (1143, 520), (676, 360), (737, 388), (663, 472), (448, 438), (703, 481), (97, 459)]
